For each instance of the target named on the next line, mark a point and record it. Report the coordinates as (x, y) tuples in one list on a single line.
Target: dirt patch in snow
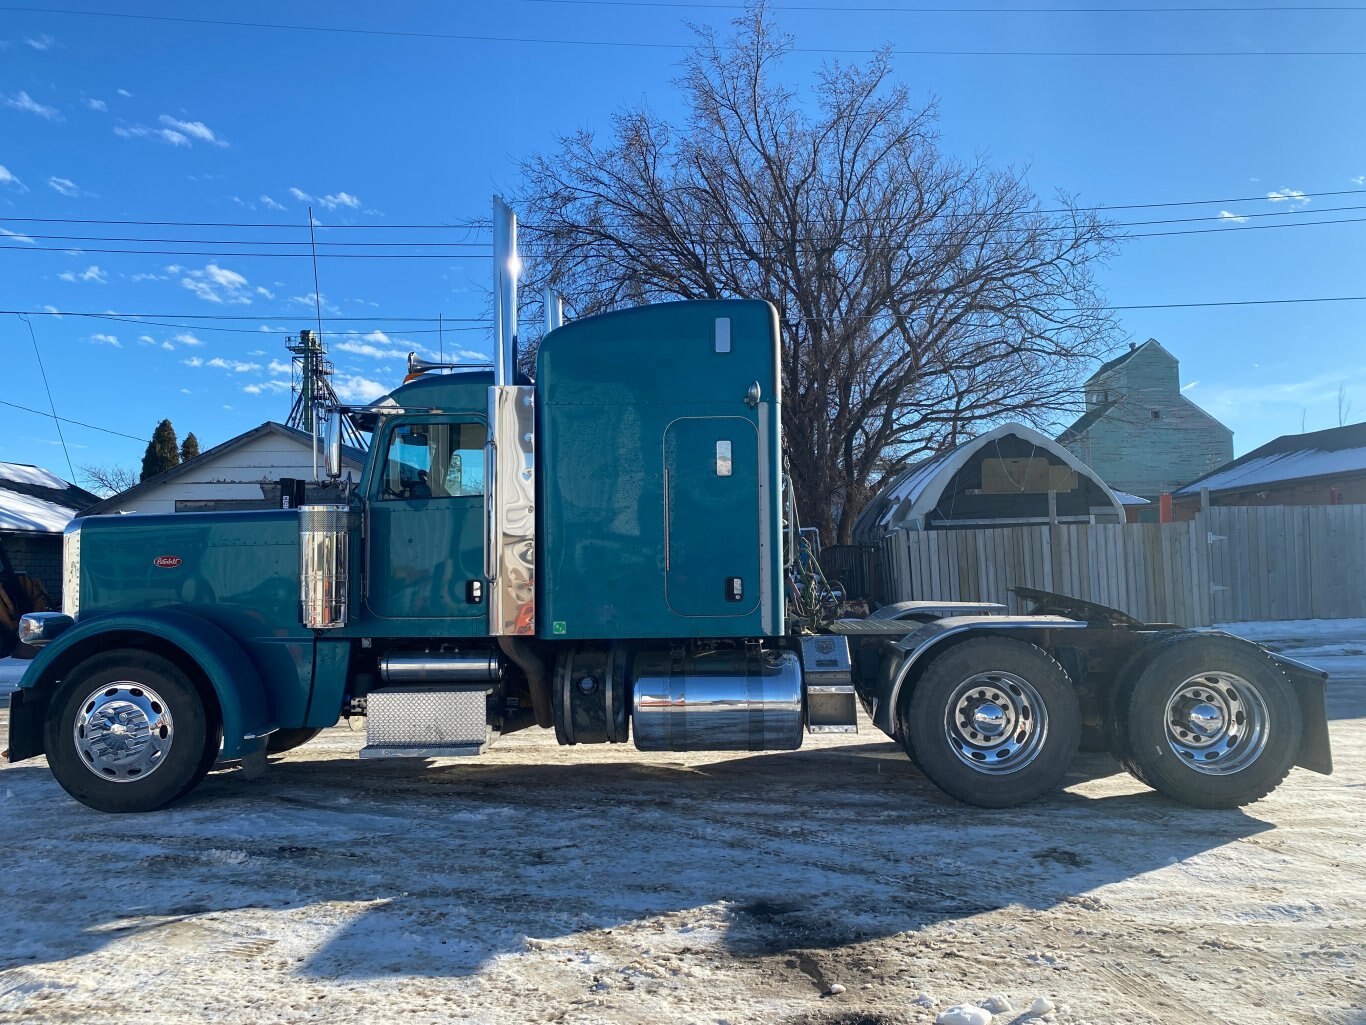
[(596, 884)]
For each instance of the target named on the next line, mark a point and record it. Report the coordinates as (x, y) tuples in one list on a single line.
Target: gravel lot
[(598, 884)]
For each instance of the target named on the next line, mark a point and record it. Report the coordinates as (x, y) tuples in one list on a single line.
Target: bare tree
[(108, 480), (1344, 405), (923, 298)]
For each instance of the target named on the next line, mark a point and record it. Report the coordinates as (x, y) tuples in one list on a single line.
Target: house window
[(1157, 414)]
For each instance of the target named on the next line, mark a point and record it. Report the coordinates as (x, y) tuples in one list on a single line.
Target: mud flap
[(27, 710), (1311, 687)]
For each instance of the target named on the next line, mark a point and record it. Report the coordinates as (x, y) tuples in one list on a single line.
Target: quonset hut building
[(1002, 478)]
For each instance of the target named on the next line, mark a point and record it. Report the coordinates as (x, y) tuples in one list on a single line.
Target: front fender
[(246, 712)]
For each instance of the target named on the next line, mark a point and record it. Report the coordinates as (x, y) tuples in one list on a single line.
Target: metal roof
[(1339, 450)]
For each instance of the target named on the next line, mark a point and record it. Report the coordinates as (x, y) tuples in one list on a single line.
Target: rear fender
[(1311, 687), (242, 702), (916, 650)]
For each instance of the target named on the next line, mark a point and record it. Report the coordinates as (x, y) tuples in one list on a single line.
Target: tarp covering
[(999, 478)]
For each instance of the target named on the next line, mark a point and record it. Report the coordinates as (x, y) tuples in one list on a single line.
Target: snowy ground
[(603, 885)]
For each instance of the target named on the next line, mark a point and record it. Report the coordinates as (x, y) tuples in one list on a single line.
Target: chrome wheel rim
[(996, 722), (123, 731), (1217, 723)]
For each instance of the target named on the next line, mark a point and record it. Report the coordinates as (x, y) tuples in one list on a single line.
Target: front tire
[(127, 731), (1212, 723), (994, 722)]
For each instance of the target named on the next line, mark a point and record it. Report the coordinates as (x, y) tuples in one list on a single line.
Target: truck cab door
[(425, 533)]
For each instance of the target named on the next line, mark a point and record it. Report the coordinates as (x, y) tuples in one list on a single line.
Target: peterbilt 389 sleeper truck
[(611, 552)]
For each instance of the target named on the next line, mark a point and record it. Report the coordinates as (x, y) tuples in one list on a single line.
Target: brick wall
[(40, 556)]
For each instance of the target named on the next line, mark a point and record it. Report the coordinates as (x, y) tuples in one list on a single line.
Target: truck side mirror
[(332, 442)]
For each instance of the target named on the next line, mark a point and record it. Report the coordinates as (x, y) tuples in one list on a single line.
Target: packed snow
[(24, 473), (25, 512), (598, 884)]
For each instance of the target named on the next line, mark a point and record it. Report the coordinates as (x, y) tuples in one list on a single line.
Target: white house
[(242, 473)]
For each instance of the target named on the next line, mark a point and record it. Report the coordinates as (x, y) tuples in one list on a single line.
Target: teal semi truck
[(611, 552)]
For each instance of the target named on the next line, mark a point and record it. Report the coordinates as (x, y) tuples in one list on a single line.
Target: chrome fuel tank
[(719, 701)]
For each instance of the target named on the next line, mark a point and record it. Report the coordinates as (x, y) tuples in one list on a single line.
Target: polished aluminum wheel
[(996, 722), (123, 731), (1217, 723)]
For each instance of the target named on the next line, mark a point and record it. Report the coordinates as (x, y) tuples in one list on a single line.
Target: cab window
[(434, 461)]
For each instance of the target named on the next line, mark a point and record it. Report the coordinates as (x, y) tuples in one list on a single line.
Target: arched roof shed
[(999, 479)]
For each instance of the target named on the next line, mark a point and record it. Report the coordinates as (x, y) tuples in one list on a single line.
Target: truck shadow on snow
[(435, 870)]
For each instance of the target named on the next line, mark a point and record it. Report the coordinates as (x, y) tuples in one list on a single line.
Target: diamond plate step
[(427, 722)]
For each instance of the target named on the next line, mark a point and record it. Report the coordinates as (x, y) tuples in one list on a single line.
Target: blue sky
[(105, 118)]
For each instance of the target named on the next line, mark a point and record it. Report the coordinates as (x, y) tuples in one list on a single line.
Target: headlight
[(71, 568)]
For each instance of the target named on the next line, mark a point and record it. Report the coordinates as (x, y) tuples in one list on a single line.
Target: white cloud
[(94, 104), (264, 292), (332, 201), (195, 129), (183, 338), (42, 42), (65, 186), (91, 273), (23, 101), (1225, 215), (186, 391), (278, 367), (217, 284), (179, 135), (103, 339), (311, 300), (233, 365), (16, 236), (1359, 180), (1188, 387), (354, 388), (344, 199), (145, 276), (362, 349), (1292, 196), (7, 177), (275, 387), (147, 340), (125, 94), (53, 310), (193, 361), (270, 204)]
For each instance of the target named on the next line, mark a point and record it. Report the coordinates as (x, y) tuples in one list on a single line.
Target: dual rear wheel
[(1207, 720)]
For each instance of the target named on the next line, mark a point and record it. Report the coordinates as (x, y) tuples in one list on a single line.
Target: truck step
[(427, 722), (827, 669)]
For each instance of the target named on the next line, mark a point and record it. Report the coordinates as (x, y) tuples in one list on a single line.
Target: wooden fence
[(1227, 565)]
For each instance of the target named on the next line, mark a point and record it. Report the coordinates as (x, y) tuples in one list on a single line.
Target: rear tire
[(1211, 722), (287, 740), (127, 731), (994, 722)]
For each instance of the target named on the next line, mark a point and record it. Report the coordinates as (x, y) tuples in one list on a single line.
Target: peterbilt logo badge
[(166, 561)]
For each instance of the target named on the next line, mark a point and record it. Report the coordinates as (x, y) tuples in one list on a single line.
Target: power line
[(1115, 309), (652, 45), (532, 226), (51, 405), (1222, 216), (1229, 229), (68, 420), (840, 9), (247, 316)]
